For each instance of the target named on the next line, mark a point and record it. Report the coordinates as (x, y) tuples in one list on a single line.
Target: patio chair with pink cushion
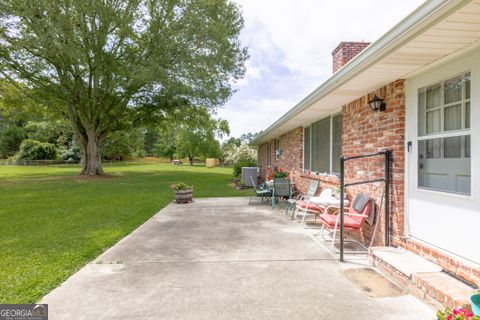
[(315, 205), (291, 203), (360, 210)]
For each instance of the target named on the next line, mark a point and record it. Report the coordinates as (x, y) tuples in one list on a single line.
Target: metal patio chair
[(354, 217), (281, 189), (315, 205), (259, 192), (292, 203)]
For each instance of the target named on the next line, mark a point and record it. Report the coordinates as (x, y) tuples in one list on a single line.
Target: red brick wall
[(366, 131), (463, 269), (262, 157), (345, 52), (291, 144)]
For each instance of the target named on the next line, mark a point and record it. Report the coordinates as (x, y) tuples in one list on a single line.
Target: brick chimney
[(345, 52)]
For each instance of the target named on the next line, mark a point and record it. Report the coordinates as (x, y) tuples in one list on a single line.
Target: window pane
[(433, 121), (421, 112), (467, 147), (467, 115), (433, 149), (451, 173), (467, 86), (453, 90), (321, 145), (306, 148), (433, 96), (453, 118), (337, 143), (269, 154), (453, 147)]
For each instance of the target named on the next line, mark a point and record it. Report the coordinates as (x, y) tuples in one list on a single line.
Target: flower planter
[(183, 196), (475, 300)]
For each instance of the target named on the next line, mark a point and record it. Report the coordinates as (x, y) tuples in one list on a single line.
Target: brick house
[(427, 71)]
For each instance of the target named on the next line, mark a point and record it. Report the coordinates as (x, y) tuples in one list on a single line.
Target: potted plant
[(280, 174), (337, 192), (183, 192), (475, 300), (456, 314)]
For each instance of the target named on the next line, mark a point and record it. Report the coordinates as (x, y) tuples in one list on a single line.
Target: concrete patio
[(220, 258)]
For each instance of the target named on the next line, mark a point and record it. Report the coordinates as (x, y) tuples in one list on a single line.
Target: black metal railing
[(386, 180)]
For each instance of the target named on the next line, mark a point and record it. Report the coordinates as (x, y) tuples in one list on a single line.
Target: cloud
[(290, 44)]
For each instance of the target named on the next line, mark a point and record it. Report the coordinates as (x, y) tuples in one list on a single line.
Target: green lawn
[(52, 223)]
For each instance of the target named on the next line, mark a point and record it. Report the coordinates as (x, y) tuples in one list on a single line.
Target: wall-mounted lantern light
[(377, 104)]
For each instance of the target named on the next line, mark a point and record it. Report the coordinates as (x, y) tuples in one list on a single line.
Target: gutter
[(410, 27)]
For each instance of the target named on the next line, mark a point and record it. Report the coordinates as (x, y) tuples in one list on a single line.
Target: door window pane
[(433, 121), (467, 115), (450, 172), (453, 118), (453, 147), (467, 86), (453, 90), (433, 149), (433, 96), (306, 148), (467, 146)]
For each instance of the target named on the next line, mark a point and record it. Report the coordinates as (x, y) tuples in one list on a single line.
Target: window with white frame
[(444, 135), (269, 154), (277, 148), (322, 145)]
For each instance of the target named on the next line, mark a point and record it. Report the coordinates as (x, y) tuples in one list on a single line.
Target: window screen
[(306, 148), (336, 142), (321, 145)]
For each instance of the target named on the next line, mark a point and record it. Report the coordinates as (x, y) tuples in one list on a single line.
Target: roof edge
[(391, 40)]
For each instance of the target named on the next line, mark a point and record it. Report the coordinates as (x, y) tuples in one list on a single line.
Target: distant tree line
[(30, 132)]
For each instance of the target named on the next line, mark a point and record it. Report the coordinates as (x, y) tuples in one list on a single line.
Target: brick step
[(444, 289), (421, 277)]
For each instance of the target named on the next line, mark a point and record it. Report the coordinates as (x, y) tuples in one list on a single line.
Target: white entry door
[(443, 123)]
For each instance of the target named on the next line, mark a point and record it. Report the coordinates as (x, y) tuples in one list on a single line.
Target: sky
[(290, 44)]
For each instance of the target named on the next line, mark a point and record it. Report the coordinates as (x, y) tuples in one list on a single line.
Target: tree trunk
[(92, 165)]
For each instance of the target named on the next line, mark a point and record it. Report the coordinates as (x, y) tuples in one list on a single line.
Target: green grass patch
[(52, 222)]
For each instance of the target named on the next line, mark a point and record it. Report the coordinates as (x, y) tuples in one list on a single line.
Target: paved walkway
[(221, 259)]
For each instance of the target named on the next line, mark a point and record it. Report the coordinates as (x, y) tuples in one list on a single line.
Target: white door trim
[(468, 61)]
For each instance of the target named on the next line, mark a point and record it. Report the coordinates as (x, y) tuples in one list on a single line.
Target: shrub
[(36, 150), (235, 154), (241, 156), (70, 154), (180, 186), (10, 140), (237, 167)]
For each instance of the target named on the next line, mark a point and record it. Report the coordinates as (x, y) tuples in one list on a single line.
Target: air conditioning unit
[(248, 172), (278, 152)]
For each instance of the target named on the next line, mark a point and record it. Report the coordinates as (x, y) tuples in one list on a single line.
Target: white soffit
[(451, 28)]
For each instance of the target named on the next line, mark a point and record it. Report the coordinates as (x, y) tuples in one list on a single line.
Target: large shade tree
[(95, 61), (196, 135)]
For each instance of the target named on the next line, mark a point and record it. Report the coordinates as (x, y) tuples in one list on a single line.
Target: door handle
[(409, 146)]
